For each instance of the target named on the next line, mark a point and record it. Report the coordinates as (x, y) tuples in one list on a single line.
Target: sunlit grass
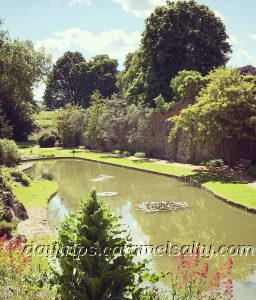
[(234, 191), (46, 119), (37, 194)]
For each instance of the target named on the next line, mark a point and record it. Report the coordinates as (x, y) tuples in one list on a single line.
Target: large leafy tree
[(105, 269), (131, 81), (182, 35), (98, 74), (73, 80), (248, 70), (61, 88), (6, 131), (103, 71), (125, 127), (225, 111), (21, 69), (187, 85)]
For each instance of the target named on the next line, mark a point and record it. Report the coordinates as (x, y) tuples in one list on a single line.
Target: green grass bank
[(230, 190)]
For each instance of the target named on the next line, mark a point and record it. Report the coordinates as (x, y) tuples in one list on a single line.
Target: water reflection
[(207, 220)]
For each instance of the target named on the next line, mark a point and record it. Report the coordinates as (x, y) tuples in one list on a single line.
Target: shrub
[(103, 275), (71, 124), (201, 163), (21, 176), (82, 148), (9, 153), (140, 155), (125, 126), (47, 153), (8, 227), (161, 105), (126, 153), (215, 163), (6, 185), (252, 171), (47, 140), (117, 152)]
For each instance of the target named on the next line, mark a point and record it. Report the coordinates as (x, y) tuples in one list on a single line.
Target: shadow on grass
[(199, 176), (27, 144), (205, 176), (109, 156), (136, 161)]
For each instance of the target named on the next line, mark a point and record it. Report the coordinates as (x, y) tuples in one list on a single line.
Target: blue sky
[(114, 26)]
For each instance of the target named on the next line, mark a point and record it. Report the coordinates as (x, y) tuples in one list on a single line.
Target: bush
[(47, 140), (21, 177), (111, 275), (47, 154), (71, 124), (140, 155), (252, 171), (215, 163), (117, 152), (5, 181), (126, 154), (201, 163), (9, 153), (82, 147), (8, 227)]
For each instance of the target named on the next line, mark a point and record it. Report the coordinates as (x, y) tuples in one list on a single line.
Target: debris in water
[(107, 194), (161, 206), (101, 178)]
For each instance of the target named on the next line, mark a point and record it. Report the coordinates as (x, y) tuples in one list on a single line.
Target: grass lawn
[(236, 192), (227, 188), (103, 157), (46, 119), (37, 194)]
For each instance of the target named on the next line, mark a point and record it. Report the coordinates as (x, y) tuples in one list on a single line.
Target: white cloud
[(232, 39), (243, 54), (218, 14), (252, 35), (73, 2), (140, 8), (115, 43)]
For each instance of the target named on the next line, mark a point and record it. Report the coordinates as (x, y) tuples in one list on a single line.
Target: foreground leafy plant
[(190, 281), (100, 272), (20, 276)]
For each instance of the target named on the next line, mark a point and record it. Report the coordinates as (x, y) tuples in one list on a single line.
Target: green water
[(207, 220)]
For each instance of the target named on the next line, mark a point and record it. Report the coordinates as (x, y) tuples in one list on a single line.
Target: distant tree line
[(181, 59)]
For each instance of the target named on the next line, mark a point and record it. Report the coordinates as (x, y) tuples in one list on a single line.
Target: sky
[(114, 27)]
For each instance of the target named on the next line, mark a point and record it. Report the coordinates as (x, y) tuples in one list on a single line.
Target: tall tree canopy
[(248, 70), (182, 35), (6, 131), (61, 88), (21, 68), (73, 80)]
